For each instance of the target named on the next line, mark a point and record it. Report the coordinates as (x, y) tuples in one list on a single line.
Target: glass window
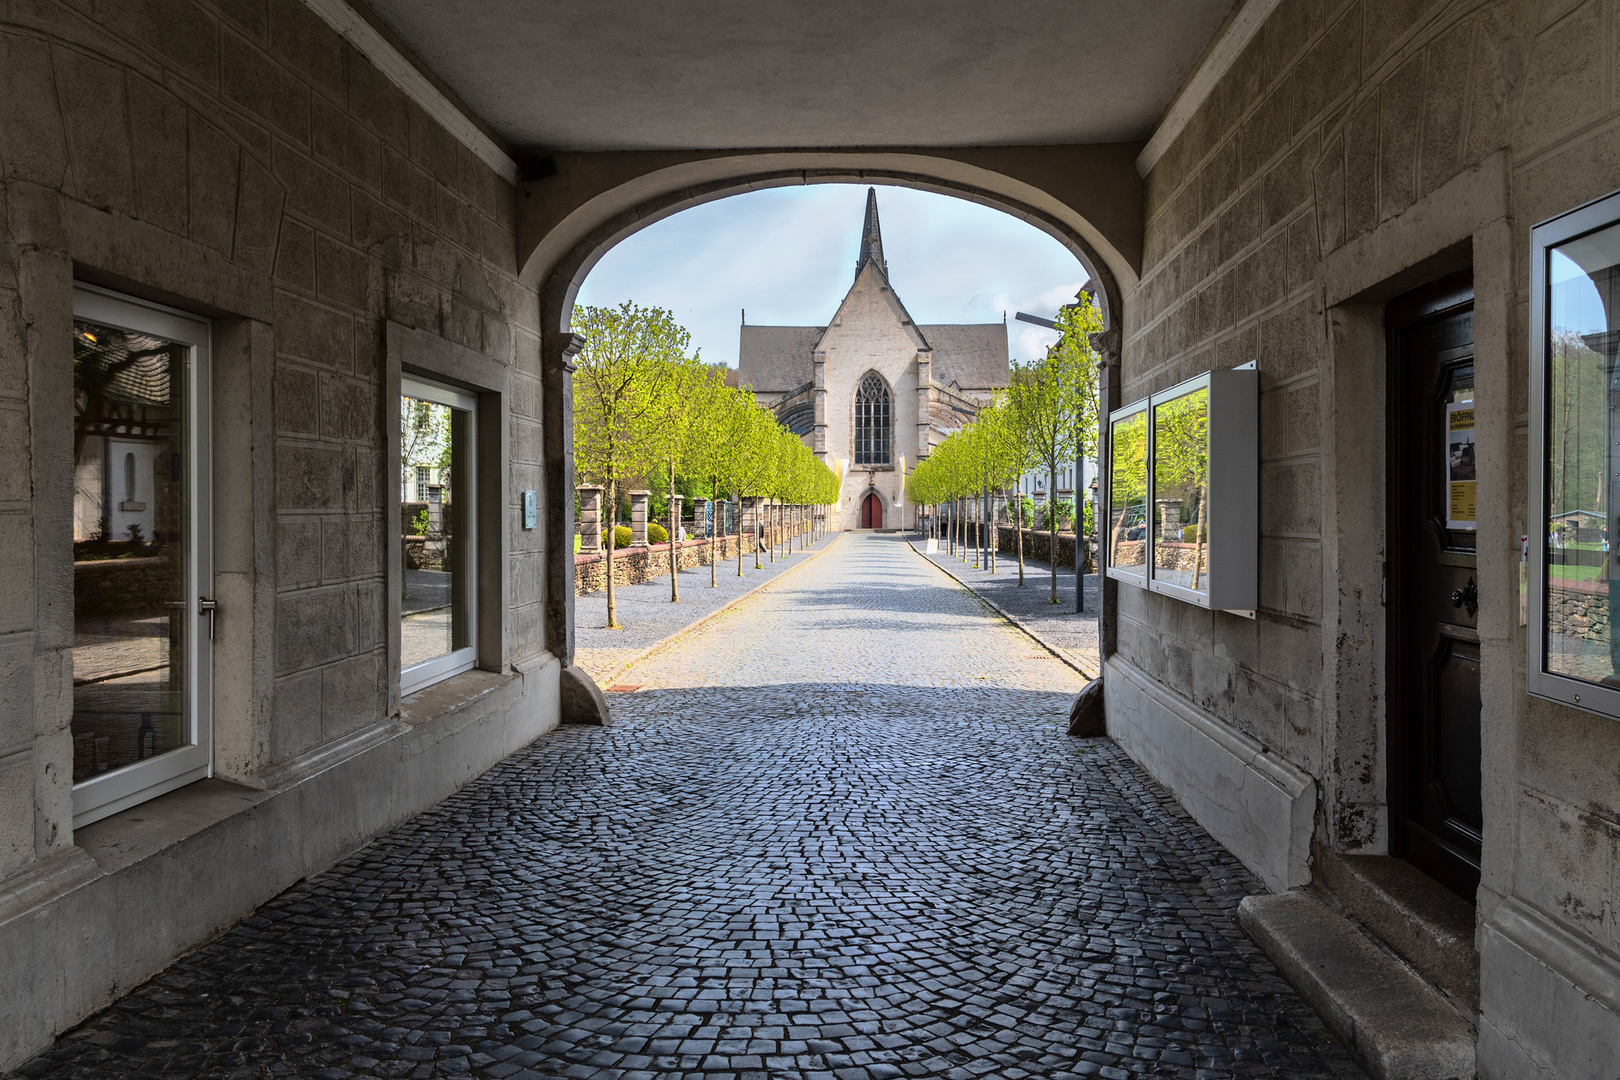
[(1180, 522), (1127, 491), (1582, 389), (872, 422), (140, 554), (437, 438)]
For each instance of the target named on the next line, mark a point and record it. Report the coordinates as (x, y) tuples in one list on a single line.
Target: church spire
[(871, 238)]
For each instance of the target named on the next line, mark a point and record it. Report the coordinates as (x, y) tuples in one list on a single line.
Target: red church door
[(872, 511)]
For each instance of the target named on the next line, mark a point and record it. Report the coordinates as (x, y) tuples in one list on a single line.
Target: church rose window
[(872, 422)]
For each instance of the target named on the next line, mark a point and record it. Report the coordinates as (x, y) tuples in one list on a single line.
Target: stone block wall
[(633, 566), (244, 162), (1352, 151)]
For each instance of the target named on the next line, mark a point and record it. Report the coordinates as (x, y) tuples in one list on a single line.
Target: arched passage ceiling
[(584, 75)]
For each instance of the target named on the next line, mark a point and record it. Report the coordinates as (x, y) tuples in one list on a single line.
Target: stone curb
[(607, 679), (1003, 612)]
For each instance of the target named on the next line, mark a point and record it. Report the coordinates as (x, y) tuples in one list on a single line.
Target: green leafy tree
[(630, 356), (1055, 402)]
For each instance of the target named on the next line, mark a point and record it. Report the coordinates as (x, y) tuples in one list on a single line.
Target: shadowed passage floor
[(840, 834)]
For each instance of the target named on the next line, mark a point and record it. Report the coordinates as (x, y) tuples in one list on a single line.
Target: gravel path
[(648, 617)]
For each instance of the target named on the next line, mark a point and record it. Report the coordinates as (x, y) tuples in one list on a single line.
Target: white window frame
[(438, 669), (107, 794)]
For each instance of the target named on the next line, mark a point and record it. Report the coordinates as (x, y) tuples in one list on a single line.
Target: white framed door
[(142, 552)]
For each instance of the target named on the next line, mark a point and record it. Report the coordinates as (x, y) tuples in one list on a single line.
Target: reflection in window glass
[(1127, 493), (1181, 491), (129, 572), (1583, 392), (434, 442)]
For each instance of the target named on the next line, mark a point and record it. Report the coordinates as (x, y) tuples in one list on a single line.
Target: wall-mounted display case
[(1574, 650), (1184, 478), (1127, 492)]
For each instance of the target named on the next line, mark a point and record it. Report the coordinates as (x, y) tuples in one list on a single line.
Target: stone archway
[(558, 249)]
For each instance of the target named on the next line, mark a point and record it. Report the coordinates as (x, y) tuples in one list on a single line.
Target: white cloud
[(787, 255)]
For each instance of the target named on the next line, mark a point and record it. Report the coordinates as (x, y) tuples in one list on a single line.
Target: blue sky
[(787, 255)]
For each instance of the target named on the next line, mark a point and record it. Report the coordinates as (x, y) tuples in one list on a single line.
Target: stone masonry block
[(35, 144), (212, 172), (312, 477), (257, 83), (17, 584), (158, 120), (1293, 499), (346, 145), (295, 255), (346, 277), (250, 15), (313, 191), (407, 186), (1400, 113), (414, 302), (1361, 169), (1286, 33), (98, 131), (334, 549), (349, 408), (298, 401), (376, 102), (1444, 94), (1327, 70), (1563, 88), (314, 333), (17, 706), (258, 218), (380, 231), (432, 147), (298, 552), (352, 695), (1565, 861), (314, 627), (16, 811), (181, 31), (15, 485), (295, 724), (301, 39)]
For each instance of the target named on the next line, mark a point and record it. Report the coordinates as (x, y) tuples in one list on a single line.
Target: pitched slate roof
[(973, 356), (777, 357)]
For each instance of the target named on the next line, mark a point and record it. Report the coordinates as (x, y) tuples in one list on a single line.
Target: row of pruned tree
[(648, 411), (1046, 418)]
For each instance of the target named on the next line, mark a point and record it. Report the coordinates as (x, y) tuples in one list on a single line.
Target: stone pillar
[(700, 517), (1169, 518), (589, 526), (638, 518), (750, 515), (818, 379), (675, 516)]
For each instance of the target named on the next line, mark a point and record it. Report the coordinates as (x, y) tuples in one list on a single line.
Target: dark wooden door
[(872, 511), (1434, 707)]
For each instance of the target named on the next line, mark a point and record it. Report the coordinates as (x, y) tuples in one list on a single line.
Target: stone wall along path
[(840, 835)]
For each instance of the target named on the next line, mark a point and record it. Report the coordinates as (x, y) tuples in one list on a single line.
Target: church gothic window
[(872, 422)]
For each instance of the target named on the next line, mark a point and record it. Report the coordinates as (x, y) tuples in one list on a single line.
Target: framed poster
[(1461, 478)]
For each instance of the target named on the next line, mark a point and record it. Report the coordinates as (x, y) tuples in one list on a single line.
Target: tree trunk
[(1051, 529), (993, 531), (613, 521), (674, 525), (739, 536), (756, 536), (1198, 539), (714, 552), (1018, 527)]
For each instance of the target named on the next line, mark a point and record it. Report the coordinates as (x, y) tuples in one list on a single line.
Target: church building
[(872, 392)]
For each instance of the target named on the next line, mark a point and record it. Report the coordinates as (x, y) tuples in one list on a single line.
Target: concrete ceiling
[(648, 74)]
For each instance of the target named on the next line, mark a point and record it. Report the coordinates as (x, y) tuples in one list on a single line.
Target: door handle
[(208, 607), (1467, 597)]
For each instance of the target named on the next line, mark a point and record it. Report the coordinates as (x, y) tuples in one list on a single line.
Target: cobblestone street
[(838, 834)]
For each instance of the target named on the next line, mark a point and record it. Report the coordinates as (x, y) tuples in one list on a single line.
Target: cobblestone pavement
[(841, 836), (1058, 624), (648, 617)]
